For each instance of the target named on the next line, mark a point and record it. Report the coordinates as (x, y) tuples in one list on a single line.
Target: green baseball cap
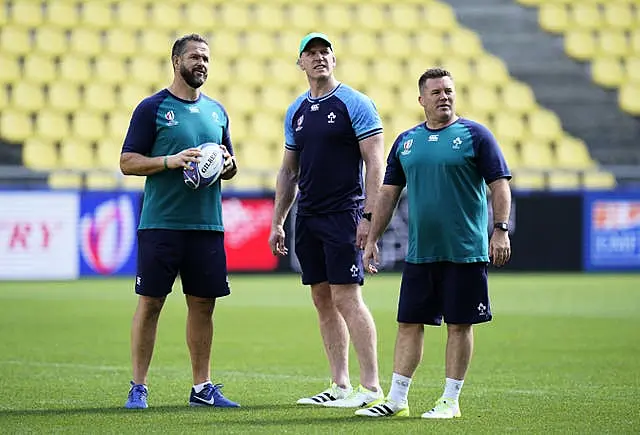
[(311, 36)]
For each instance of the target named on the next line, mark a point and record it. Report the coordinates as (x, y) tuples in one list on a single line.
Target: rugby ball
[(208, 169)]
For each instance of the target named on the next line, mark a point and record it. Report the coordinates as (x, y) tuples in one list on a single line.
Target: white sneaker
[(388, 408), (359, 398), (331, 394), (444, 408)]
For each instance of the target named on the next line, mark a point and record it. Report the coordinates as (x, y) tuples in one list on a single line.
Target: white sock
[(452, 388), (399, 391), (199, 387)]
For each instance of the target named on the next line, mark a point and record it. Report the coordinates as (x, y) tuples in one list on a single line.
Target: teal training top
[(445, 172), (164, 124)]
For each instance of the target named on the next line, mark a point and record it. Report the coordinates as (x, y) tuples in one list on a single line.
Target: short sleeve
[(489, 157), (289, 139), (394, 174), (364, 116), (141, 134)]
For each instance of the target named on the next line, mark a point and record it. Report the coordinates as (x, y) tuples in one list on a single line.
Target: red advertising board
[(247, 223)]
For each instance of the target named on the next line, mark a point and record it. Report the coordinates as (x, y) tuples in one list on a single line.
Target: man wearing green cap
[(330, 130)]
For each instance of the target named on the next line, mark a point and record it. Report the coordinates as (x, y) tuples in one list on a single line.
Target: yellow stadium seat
[(110, 70), (635, 40), (572, 153), (3, 15), (249, 71), (39, 155), (224, 44), (10, 71), (200, 16), (108, 154), (563, 180), (510, 154), (269, 16), (76, 154), (39, 69), (585, 15), (354, 71), (613, 43), (101, 180), (259, 44), (15, 126), (477, 116), (491, 69), (266, 126), (384, 98), (544, 125), (301, 15), (389, 73), (361, 44), (14, 40), (240, 100), (460, 69), (88, 126), (166, 16), (553, 17), (96, 14), (132, 15), (405, 17), (146, 70), (99, 97), (484, 99), (288, 40), (27, 96), (27, 13), (74, 68), (440, 16), (280, 71), (52, 125), (396, 45), (607, 71), (51, 40), (133, 183), (529, 180), (580, 44), (629, 98), (62, 14), (235, 15), (370, 16), (598, 180), (537, 155), (465, 43), (117, 125), (518, 97), (4, 98), (275, 99), (632, 69), (65, 180), (121, 42), (64, 96), (336, 16), (129, 95), (85, 41), (508, 126), (157, 43), (619, 15), (431, 44)]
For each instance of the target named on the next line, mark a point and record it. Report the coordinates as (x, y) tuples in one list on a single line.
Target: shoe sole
[(400, 413)]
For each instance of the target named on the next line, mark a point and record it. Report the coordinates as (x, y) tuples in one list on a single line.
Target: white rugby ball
[(208, 169)]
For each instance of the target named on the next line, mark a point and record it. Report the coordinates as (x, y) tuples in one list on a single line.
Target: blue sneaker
[(137, 397), (211, 396)]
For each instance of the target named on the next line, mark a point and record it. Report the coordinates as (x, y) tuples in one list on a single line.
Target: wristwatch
[(502, 226), (367, 216)]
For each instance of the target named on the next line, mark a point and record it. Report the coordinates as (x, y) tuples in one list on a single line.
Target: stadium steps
[(588, 111)]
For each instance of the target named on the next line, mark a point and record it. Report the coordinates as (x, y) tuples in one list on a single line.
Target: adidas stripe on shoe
[(388, 408), (334, 392)]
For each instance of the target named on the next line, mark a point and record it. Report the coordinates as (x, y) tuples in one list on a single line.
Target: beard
[(191, 79)]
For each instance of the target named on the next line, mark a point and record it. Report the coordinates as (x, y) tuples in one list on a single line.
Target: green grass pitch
[(561, 356)]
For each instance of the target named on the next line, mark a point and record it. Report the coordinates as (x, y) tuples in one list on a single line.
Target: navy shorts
[(198, 256), (458, 292), (326, 248)]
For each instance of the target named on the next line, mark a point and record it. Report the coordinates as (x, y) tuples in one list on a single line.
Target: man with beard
[(180, 228), (330, 131)]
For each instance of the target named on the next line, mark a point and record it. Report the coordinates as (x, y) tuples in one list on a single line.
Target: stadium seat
[(15, 126), (108, 154), (440, 16), (200, 16), (509, 126), (354, 71), (65, 180), (335, 16), (131, 15), (518, 97), (563, 180), (39, 69), (64, 96), (572, 154), (275, 99), (544, 125), (281, 71), (85, 41), (612, 43), (74, 68), (134, 183), (629, 98), (553, 17), (120, 42), (14, 40), (51, 125), (27, 13), (361, 44), (398, 46), (405, 17), (369, 16), (619, 15), (585, 15), (236, 16), (465, 43), (39, 155), (635, 40), (491, 69), (129, 95), (259, 44), (598, 180), (117, 125), (249, 71), (269, 16), (96, 15), (88, 126), (537, 155), (99, 97), (77, 155), (429, 43), (62, 14), (225, 44), (580, 44), (607, 71), (529, 180), (10, 71), (632, 69), (300, 16), (482, 98), (27, 96), (101, 180), (157, 43), (111, 70), (510, 154), (51, 41)]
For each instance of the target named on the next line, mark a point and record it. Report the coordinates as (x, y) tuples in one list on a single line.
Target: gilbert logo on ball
[(207, 171)]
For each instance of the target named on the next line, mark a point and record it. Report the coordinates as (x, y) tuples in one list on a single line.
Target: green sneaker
[(444, 408), (388, 408)]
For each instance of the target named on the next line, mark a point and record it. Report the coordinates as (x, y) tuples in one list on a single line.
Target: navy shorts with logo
[(198, 256), (458, 292), (326, 248)]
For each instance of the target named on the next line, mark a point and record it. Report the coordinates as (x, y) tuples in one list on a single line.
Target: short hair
[(180, 45), (432, 73)]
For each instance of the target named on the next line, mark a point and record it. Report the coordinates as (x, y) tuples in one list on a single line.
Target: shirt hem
[(480, 259), (182, 227)]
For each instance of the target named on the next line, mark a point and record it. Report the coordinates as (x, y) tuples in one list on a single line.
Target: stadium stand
[(72, 72)]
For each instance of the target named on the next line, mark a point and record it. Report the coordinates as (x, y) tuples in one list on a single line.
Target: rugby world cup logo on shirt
[(107, 235), (406, 147), (299, 123), (171, 118)]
